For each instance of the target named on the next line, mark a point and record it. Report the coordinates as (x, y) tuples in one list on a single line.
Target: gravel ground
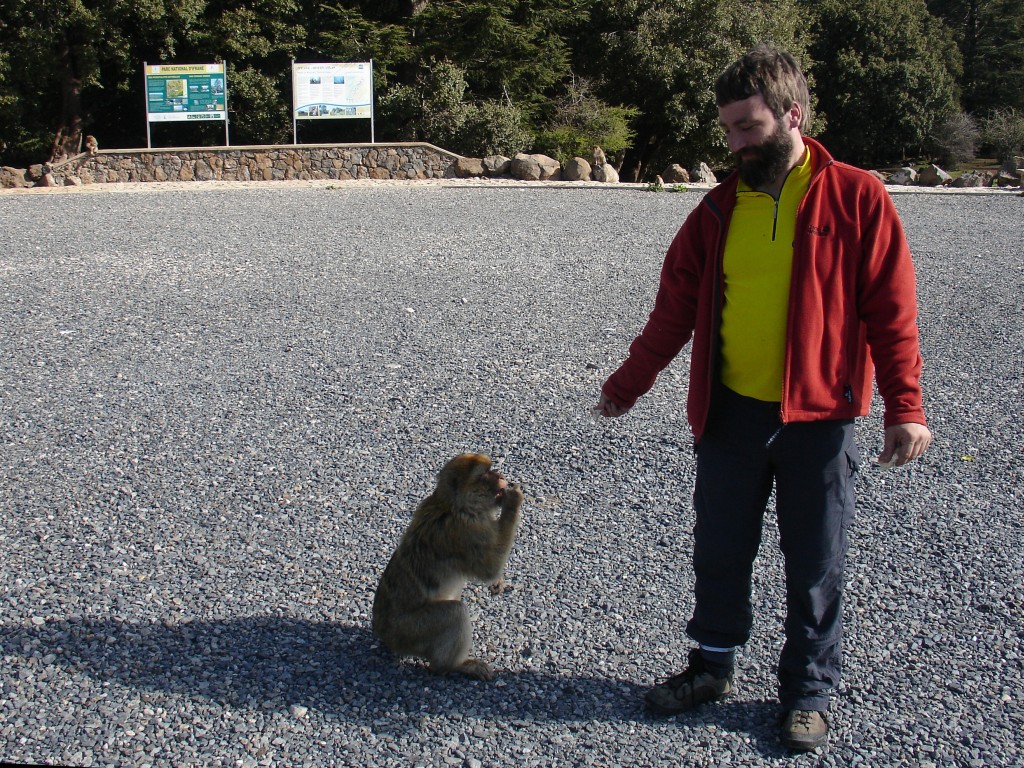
[(218, 407)]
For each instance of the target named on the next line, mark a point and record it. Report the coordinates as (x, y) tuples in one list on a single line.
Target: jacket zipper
[(775, 217)]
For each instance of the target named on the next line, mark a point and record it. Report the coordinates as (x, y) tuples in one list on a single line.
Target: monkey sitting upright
[(456, 535)]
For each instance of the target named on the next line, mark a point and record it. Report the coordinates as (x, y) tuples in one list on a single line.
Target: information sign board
[(186, 92), (332, 91)]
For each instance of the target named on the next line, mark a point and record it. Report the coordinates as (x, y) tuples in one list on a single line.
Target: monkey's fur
[(462, 531)]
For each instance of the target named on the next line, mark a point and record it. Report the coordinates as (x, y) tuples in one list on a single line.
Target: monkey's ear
[(448, 481)]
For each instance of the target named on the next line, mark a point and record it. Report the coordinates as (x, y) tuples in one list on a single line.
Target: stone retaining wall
[(256, 163)]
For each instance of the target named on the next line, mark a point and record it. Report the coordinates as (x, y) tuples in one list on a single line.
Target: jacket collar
[(722, 198)]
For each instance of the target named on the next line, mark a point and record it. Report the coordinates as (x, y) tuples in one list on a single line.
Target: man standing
[(793, 279)]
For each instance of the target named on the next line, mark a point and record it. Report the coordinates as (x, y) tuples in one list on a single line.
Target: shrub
[(955, 139), (494, 128), (444, 112), (1003, 131), (436, 109), (579, 121), (398, 112)]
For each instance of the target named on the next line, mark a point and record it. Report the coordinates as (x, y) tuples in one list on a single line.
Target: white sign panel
[(332, 91)]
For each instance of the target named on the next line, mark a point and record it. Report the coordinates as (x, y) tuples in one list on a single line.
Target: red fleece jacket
[(852, 290)]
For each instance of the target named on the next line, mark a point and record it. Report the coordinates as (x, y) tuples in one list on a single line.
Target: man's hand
[(903, 443), (606, 407)]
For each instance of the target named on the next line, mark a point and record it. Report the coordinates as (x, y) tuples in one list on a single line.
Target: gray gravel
[(219, 406)]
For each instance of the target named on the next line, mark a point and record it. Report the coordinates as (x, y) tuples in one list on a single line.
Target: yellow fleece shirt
[(758, 265)]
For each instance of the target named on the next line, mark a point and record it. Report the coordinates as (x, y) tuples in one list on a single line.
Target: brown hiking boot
[(695, 685), (805, 729)]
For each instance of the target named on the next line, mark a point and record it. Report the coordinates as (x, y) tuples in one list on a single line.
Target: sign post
[(189, 92), (331, 92)]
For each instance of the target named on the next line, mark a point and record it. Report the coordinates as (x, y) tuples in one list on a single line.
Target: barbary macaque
[(91, 145), (461, 532)]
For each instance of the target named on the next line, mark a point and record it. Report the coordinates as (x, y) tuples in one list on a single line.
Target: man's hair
[(772, 73)]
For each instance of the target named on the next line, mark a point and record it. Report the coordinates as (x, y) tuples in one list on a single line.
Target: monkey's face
[(473, 482), (497, 483)]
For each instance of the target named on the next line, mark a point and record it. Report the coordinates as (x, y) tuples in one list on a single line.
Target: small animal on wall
[(461, 532)]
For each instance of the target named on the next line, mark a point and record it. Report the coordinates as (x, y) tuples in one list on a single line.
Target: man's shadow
[(340, 670)]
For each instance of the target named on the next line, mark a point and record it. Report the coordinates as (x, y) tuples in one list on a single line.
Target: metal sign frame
[(186, 92), (332, 91)]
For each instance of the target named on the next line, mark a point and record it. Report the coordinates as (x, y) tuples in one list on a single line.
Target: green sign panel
[(186, 92)]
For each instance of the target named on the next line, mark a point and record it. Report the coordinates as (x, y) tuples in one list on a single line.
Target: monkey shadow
[(340, 670)]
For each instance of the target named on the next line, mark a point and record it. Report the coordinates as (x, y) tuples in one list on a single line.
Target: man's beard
[(771, 159)]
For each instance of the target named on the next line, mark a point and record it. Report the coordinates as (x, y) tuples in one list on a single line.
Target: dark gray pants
[(812, 464)]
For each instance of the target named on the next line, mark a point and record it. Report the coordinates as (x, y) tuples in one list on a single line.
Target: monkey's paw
[(498, 587), (513, 497), (477, 669)]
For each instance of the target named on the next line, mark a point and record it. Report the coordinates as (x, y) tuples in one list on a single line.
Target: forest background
[(894, 80)]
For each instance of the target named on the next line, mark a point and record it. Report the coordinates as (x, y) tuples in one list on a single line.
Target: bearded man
[(784, 277)]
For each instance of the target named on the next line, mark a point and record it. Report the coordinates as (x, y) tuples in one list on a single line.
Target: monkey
[(91, 145), (463, 531), (599, 156)]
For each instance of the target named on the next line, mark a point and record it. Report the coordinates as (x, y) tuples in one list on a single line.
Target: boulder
[(525, 168), (497, 165), (675, 174), (933, 176), (606, 173), (702, 174), (1007, 178), (903, 177), (577, 169), (549, 167), (1010, 173), (14, 178), (973, 179), (469, 168), (535, 167)]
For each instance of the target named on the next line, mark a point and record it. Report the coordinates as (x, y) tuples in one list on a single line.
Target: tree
[(508, 49), (988, 34), (662, 57), (344, 34), (52, 74), (484, 74), (886, 76), (258, 40), (481, 74), (71, 66)]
